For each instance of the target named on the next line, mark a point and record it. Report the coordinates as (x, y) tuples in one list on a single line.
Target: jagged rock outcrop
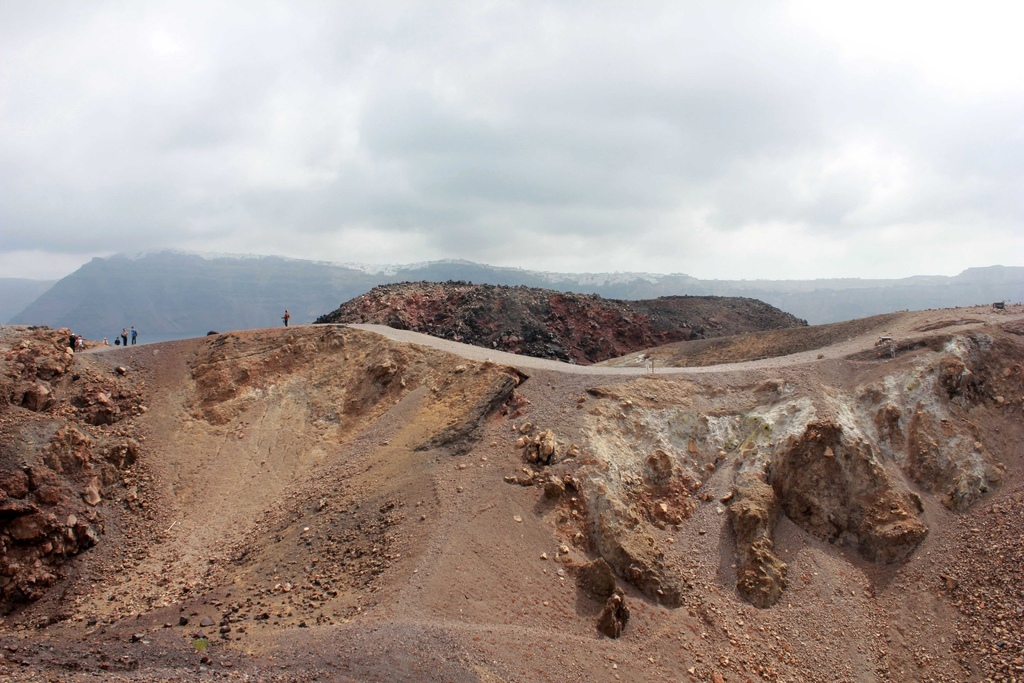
[(848, 468), (618, 535), (753, 512), (832, 485), (614, 617)]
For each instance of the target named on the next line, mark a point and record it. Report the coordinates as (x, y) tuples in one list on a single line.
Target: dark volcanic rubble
[(578, 328)]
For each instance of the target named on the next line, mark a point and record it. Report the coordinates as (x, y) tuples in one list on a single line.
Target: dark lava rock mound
[(578, 328)]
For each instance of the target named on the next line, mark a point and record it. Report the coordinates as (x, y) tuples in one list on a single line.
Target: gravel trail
[(959, 319)]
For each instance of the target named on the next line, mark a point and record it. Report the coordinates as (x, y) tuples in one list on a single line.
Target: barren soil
[(326, 503)]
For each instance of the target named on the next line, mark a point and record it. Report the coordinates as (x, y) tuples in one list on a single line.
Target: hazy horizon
[(384, 267)]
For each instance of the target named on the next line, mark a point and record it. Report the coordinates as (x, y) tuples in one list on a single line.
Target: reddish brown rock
[(14, 483), (614, 616), (31, 527), (36, 397), (596, 579)]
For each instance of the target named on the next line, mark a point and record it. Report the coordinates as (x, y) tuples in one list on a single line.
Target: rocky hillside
[(578, 328), (326, 503), (67, 443)]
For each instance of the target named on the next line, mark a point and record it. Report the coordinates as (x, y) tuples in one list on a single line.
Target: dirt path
[(949, 320)]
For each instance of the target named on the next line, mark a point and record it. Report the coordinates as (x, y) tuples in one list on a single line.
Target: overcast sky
[(718, 139)]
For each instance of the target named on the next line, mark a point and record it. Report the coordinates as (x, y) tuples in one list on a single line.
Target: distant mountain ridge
[(181, 294)]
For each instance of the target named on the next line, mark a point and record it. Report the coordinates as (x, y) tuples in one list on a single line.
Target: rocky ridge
[(577, 328)]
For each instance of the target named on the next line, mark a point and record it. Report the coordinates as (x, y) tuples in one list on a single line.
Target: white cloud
[(733, 139)]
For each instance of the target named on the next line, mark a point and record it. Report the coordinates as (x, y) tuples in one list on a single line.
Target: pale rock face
[(825, 458)]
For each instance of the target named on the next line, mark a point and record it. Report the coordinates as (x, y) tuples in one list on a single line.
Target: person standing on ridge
[(135, 334), (124, 337), (285, 317)]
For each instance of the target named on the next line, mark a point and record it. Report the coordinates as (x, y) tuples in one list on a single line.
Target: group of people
[(123, 338), (76, 342)]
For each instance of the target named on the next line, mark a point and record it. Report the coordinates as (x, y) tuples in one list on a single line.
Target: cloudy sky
[(719, 139)]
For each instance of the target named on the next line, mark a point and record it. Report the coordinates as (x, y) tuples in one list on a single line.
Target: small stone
[(543, 556), (91, 494), (183, 620), (517, 519), (206, 621), (137, 637)]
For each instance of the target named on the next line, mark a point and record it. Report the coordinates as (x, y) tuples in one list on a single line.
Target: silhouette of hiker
[(124, 337), (285, 317), (134, 335)]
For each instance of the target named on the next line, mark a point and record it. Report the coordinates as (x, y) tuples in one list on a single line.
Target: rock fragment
[(614, 616)]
